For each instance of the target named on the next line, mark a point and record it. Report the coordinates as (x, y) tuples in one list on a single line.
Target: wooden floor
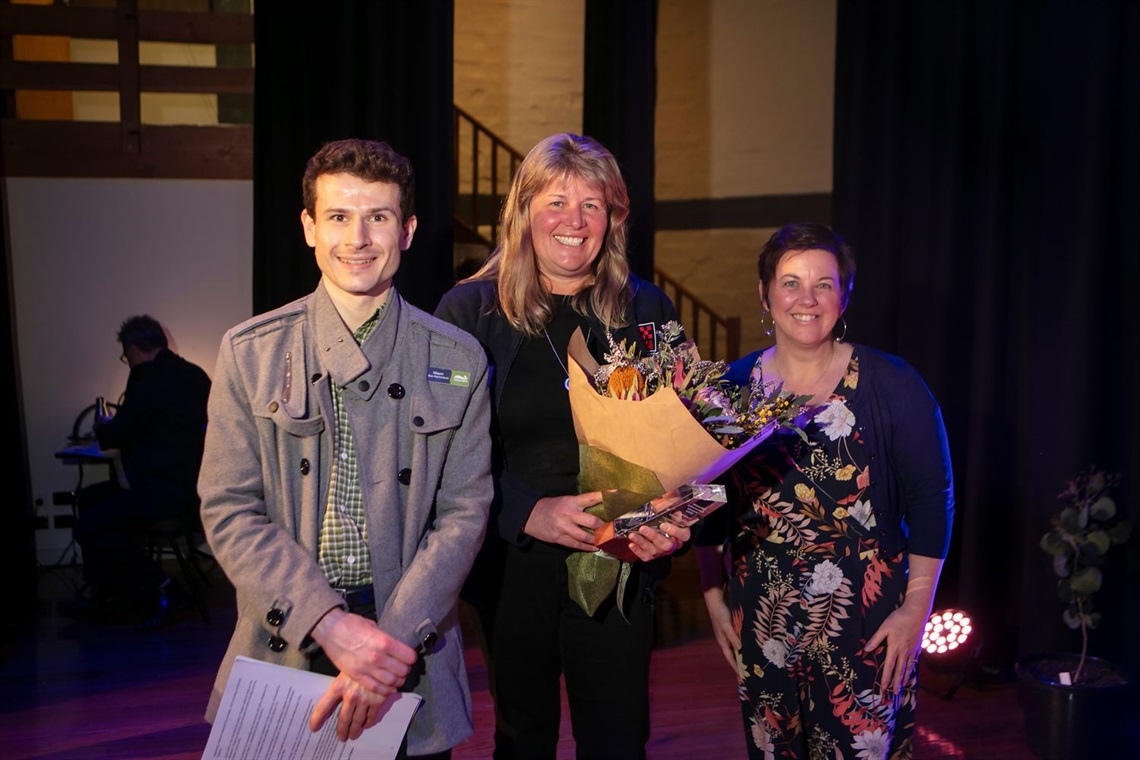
[(77, 690)]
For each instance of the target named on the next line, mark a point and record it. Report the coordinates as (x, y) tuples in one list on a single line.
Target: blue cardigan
[(912, 486)]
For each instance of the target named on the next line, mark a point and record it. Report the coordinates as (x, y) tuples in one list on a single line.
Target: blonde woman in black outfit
[(560, 265)]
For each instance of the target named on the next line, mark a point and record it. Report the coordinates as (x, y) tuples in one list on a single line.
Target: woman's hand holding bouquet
[(648, 425)]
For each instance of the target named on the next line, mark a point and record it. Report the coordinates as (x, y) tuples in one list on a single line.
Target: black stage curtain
[(337, 69), (987, 172), (620, 94), (18, 565)]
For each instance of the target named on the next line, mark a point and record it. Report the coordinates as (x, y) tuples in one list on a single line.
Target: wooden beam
[(96, 77), (197, 79), (130, 96), (94, 149), (38, 104), (127, 148), (206, 28), (58, 20), (101, 24)]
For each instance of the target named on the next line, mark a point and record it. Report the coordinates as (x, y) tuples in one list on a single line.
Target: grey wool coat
[(416, 397)]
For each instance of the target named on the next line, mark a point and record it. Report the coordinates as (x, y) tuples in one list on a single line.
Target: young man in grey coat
[(346, 479)]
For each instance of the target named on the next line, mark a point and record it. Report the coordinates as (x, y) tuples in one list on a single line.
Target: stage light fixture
[(949, 645), (946, 631)]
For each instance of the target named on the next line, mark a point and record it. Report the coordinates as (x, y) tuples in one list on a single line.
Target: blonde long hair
[(522, 297)]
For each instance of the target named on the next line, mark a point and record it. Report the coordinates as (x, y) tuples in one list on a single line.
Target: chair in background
[(180, 536)]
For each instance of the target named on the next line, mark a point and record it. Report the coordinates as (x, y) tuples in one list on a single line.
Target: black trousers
[(113, 560), (536, 634)]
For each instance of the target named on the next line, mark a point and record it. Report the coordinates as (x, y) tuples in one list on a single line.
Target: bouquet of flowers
[(647, 425)]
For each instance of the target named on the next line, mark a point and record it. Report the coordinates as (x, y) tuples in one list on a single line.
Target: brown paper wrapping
[(646, 447)]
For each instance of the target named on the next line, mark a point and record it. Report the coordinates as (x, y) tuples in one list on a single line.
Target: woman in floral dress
[(820, 573)]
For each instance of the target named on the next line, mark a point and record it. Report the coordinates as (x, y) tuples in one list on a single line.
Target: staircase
[(484, 167), (717, 337)]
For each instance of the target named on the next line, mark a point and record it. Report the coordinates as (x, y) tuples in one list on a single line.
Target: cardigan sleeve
[(920, 456)]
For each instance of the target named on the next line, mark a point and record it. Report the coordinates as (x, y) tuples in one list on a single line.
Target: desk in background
[(82, 453)]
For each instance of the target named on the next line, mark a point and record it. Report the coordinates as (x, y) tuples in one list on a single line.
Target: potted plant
[(1075, 704)]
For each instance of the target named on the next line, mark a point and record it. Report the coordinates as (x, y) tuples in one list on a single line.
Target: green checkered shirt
[(344, 555)]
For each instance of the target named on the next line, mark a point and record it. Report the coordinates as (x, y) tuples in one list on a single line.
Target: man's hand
[(560, 520), (372, 664), (363, 652), (360, 708)]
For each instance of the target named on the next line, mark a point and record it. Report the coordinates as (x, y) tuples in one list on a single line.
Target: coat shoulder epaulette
[(283, 317)]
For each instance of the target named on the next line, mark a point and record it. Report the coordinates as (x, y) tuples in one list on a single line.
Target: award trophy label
[(682, 506)]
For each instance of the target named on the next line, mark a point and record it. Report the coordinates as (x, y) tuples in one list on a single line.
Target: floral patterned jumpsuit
[(807, 589)]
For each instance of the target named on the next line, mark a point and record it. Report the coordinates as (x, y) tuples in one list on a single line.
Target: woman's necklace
[(812, 389), (558, 358)]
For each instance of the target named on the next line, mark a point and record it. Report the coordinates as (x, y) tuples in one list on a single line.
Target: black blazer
[(160, 426)]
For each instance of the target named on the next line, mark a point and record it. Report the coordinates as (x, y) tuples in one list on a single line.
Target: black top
[(535, 425), (519, 366), (474, 307), (160, 427)]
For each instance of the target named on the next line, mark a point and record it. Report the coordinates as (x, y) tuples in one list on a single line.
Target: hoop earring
[(767, 323), (844, 333)]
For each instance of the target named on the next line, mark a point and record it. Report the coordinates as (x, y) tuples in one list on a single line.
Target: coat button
[(396, 391), (429, 641), (272, 406), (305, 467), (363, 386), (275, 617), (404, 476), (418, 421), (276, 643)]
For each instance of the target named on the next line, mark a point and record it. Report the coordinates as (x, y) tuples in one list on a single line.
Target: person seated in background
[(159, 430)]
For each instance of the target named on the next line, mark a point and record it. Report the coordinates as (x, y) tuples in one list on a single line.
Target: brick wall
[(744, 113)]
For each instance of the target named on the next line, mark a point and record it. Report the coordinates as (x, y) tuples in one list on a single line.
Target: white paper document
[(264, 715)]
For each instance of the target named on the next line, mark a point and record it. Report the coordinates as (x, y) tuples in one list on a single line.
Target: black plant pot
[(1093, 719)]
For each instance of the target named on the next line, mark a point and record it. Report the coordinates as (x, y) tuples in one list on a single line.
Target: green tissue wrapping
[(594, 576)]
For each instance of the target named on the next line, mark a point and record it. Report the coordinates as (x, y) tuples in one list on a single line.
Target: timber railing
[(485, 164), (717, 337), (484, 167), (35, 63), (35, 69)]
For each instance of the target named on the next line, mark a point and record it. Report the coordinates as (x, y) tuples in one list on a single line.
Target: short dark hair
[(143, 332), (807, 236), (370, 160)]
